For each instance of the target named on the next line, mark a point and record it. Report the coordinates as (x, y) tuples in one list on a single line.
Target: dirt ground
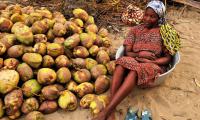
[(178, 97)]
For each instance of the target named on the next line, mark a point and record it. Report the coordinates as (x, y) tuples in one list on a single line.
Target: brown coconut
[(46, 76), (62, 61), (63, 75), (80, 52), (101, 84), (48, 107), (25, 71), (29, 105), (16, 51), (82, 75), (48, 61)]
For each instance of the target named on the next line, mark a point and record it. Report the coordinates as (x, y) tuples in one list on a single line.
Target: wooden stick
[(189, 2)]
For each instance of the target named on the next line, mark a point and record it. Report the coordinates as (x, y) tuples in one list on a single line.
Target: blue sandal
[(132, 114), (146, 115)]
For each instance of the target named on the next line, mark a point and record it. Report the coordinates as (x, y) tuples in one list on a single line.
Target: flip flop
[(132, 114), (146, 115)]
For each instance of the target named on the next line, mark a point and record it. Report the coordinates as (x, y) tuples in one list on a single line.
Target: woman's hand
[(144, 60), (147, 55)]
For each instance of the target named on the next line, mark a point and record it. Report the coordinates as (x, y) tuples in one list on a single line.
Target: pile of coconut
[(49, 62)]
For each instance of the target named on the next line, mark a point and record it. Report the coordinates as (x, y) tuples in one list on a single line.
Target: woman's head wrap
[(159, 8)]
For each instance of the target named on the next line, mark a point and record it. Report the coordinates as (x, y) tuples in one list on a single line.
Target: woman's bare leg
[(116, 80), (124, 90)]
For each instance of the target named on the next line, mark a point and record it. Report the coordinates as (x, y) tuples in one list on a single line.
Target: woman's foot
[(101, 116), (112, 116)]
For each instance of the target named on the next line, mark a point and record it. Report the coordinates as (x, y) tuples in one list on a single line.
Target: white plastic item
[(161, 78)]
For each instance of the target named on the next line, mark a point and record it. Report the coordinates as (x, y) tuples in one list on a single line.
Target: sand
[(178, 97)]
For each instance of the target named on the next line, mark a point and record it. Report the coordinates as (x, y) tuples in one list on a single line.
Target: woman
[(145, 58)]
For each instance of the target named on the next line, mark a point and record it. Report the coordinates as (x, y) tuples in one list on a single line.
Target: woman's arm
[(159, 61), (163, 60), (128, 51)]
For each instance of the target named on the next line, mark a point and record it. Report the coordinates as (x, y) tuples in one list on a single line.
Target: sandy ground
[(178, 97)]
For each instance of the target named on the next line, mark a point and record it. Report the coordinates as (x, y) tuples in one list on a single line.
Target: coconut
[(98, 104), (48, 107), (67, 100), (15, 51), (106, 42), (50, 22), (98, 41), (72, 41), (71, 85), (40, 38), (40, 48), (86, 40), (101, 84), (59, 86), (63, 75), (83, 89), (80, 13), (8, 80), (111, 67), (32, 59), (17, 18), (27, 10), (15, 115), (14, 8), (29, 105), (71, 26), (82, 75), (62, 61), (59, 29), (13, 101), (5, 14), (86, 100), (80, 52), (23, 33), (59, 40), (90, 63), (50, 92), (78, 22), (46, 76), (55, 49), (5, 24), (90, 20), (2, 48), (10, 63), (35, 115), (98, 70), (8, 40), (45, 13), (1, 63), (31, 88), (25, 71), (48, 61), (102, 57), (40, 27), (50, 35), (103, 32), (28, 49), (92, 28), (94, 49), (1, 108)]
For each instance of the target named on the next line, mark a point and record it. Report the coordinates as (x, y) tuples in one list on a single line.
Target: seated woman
[(145, 58)]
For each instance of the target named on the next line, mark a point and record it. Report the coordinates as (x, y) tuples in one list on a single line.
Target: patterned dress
[(144, 39)]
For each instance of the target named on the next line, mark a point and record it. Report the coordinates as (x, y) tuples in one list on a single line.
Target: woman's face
[(150, 18)]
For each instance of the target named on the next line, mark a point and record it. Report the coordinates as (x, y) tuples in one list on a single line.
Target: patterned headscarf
[(159, 8)]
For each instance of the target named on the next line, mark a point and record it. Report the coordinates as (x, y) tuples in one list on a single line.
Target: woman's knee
[(119, 68)]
